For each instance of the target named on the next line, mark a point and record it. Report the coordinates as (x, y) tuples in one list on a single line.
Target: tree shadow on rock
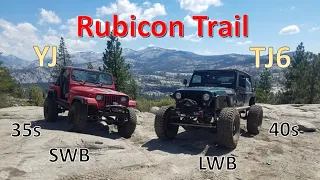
[(93, 128), (194, 142)]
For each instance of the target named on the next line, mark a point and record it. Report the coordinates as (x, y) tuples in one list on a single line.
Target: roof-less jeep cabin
[(89, 95)]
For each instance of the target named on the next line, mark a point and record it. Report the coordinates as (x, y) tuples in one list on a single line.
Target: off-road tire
[(254, 119), (162, 126), (128, 127), (77, 117), (50, 110), (228, 128)]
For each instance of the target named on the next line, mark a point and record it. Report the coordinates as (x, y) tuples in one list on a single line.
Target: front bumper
[(191, 108), (114, 110)]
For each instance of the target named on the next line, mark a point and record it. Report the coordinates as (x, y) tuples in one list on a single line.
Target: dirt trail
[(145, 157)]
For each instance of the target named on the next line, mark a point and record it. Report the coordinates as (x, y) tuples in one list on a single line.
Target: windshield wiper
[(82, 82), (98, 83)]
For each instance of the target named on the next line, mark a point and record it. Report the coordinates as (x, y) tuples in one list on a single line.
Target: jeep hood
[(217, 90), (95, 90)]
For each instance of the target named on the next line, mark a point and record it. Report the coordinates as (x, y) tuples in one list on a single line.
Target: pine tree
[(302, 78), (313, 77), (9, 85), (36, 95), (114, 63), (63, 59), (89, 65), (132, 88), (293, 79), (265, 82), (263, 87)]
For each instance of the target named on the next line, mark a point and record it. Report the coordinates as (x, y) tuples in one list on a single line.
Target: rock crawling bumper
[(114, 110)]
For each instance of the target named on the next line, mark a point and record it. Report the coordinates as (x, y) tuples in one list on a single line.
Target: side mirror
[(185, 82)]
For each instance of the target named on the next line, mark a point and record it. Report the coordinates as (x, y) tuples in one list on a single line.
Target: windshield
[(91, 77), (214, 79)]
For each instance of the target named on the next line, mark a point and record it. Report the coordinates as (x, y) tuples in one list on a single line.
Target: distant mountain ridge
[(143, 62)]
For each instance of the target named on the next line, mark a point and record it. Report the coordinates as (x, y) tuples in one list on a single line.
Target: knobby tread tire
[(254, 120), (225, 124), (127, 129), (77, 117), (163, 129), (50, 110)]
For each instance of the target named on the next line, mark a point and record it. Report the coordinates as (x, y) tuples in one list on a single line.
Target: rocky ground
[(143, 156)]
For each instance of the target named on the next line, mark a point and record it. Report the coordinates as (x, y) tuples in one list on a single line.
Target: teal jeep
[(213, 99)]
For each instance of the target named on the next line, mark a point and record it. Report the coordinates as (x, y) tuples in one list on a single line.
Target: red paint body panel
[(132, 103), (89, 91)]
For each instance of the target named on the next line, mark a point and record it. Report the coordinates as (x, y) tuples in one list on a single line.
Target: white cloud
[(71, 27), (314, 29), (147, 4), (292, 29), (156, 10), (129, 37), (244, 43), (288, 8), (124, 9), (192, 37), (194, 23), (189, 21), (19, 40), (52, 31), (77, 45), (104, 10), (48, 17), (198, 6)]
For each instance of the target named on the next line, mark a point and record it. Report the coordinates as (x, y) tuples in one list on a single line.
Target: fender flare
[(80, 99), (85, 100), (52, 94)]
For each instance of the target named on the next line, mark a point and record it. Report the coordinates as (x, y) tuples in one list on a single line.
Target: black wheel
[(228, 128), (77, 117), (50, 110), (127, 127), (162, 124), (254, 119)]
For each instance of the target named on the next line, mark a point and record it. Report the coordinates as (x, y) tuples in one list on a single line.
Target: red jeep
[(89, 95)]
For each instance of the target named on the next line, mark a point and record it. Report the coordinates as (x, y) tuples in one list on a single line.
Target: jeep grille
[(194, 95), (112, 98)]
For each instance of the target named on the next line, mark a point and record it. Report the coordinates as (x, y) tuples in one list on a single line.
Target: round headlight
[(99, 97), (206, 97), (124, 99), (178, 95)]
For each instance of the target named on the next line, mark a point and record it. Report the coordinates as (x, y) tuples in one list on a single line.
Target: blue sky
[(24, 24)]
